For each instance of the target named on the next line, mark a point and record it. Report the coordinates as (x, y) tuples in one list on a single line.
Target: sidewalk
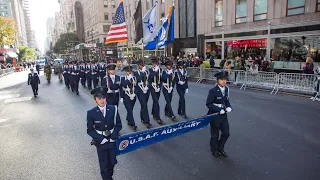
[(13, 79)]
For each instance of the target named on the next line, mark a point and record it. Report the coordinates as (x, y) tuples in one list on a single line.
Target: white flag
[(150, 24)]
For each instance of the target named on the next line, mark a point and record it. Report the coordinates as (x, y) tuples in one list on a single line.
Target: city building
[(50, 24), (5, 8), (285, 30), (67, 17), (18, 14)]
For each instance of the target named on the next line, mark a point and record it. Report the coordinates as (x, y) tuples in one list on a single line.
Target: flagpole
[(142, 51)]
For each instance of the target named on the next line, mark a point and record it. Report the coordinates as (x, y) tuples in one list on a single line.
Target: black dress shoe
[(184, 116), (134, 127), (77, 93), (159, 121), (173, 118), (148, 125), (224, 154), (216, 154)]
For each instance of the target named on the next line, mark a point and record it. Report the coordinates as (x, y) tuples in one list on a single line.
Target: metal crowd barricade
[(237, 77), (296, 82), (207, 74), (194, 72), (1, 72), (261, 80)]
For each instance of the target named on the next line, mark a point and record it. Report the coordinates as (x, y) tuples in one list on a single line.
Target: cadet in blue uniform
[(95, 76), (75, 74), (143, 92), (83, 73), (112, 82), (218, 102), (33, 80), (65, 73), (104, 125), (182, 87), (168, 82), (127, 94), (154, 81), (71, 74), (89, 75), (102, 71)]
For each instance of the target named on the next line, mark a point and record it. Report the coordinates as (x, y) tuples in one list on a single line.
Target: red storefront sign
[(253, 43)]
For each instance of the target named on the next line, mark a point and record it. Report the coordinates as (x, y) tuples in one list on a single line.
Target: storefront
[(136, 52), (291, 42)]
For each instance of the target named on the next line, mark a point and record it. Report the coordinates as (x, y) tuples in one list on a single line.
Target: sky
[(40, 10)]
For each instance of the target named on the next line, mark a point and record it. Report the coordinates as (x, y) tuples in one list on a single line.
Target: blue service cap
[(180, 63), (100, 92), (140, 62), (111, 67), (127, 69), (221, 75)]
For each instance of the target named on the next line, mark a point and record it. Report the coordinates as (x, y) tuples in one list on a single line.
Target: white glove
[(171, 88), (121, 100), (146, 88), (156, 68), (130, 76), (222, 111), (228, 109), (181, 82), (104, 141), (157, 90), (169, 71), (187, 90), (144, 69)]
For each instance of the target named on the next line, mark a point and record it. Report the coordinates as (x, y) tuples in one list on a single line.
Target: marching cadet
[(154, 83), (112, 82), (168, 82), (34, 81), (65, 73), (218, 102), (70, 70), (143, 92), (89, 75), (102, 71), (75, 74), (83, 73), (95, 75), (127, 94), (104, 125), (182, 87)]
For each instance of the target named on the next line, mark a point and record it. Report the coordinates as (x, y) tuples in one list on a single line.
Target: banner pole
[(142, 53)]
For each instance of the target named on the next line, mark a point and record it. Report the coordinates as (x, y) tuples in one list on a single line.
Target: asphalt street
[(272, 137)]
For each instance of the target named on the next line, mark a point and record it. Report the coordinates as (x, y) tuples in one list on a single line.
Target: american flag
[(118, 30)]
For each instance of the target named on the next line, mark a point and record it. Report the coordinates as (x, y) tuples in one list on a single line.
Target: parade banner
[(134, 141)]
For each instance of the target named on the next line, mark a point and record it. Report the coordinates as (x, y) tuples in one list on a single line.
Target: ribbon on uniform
[(131, 142)]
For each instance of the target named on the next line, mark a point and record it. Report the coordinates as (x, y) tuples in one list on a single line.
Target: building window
[(187, 18), (318, 6), (219, 12), (241, 11), (106, 16), (88, 33), (106, 28), (260, 10), (113, 4), (113, 14), (148, 4), (295, 7), (105, 3)]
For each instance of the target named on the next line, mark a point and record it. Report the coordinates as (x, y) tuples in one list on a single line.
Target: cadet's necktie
[(102, 110)]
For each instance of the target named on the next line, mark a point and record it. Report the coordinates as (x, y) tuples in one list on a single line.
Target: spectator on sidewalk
[(308, 69), (265, 65), (271, 65), (227, 67), (212, 63), (237, 63)]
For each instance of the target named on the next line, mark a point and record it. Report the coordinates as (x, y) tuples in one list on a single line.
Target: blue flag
[(165, 33), (134, 141)]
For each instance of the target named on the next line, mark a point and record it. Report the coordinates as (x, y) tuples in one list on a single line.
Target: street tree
[(7, 31), (64, 42), (26, 53)]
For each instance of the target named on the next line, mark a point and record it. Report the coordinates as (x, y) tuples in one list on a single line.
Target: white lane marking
[(21, 99), (8, 96)]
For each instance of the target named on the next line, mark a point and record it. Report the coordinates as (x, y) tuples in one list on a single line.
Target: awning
[(12, 54)]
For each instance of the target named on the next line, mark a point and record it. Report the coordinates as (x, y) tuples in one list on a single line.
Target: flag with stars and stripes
[(118, 30)]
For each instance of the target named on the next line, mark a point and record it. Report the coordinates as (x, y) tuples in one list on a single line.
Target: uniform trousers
[(219, 123)]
